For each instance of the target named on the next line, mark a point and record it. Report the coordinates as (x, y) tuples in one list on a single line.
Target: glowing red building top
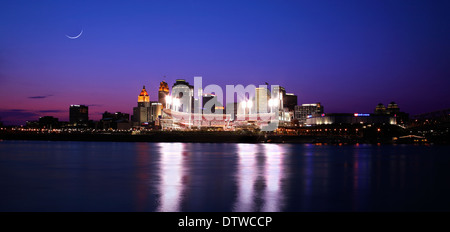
[(143, 96)]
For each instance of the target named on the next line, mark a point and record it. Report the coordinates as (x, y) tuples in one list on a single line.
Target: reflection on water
[(246, 177), (171, 174), (104, 176), (258, 178), (361, 178), (308, 176), (143, 175), (273, 174)]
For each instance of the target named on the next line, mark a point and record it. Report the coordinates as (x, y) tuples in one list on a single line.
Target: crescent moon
[(75, 37)]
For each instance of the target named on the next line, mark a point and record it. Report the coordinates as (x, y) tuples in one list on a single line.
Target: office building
[(393, 108), (349, 118), (262, 96), (79, 115), (401, 118), (380, 109), (155, 111), (210, 104), (303, 111), (118, 120), (142, 113), (290, 101)]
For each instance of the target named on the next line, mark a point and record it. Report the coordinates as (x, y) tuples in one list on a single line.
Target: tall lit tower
[(163, 92), (143, 97), (141, 113), (262, 95)]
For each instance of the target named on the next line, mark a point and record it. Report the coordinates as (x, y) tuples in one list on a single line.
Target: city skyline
[(250, 96), (349, 56)]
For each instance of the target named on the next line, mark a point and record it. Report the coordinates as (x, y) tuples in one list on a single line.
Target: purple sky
[(348, 55)]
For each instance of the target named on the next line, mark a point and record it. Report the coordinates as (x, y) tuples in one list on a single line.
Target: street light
[(168, 100), (244, 105), (271, 105), (249, 105)]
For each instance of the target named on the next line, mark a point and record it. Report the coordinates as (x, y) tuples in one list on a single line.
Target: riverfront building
[(79, 115), (307, 110), (392, 110), (142, 113), (116, 121), (347, 118)]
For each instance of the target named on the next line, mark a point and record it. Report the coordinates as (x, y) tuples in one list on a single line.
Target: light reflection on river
[(172, 170), (168, 177)]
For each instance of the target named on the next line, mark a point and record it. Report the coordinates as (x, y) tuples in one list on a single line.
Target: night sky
[(348, 55)]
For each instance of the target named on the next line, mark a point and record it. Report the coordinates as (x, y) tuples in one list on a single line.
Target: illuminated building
[(280, 98), (143, 97), (142, 113), (392, 110), (304, 110), (262, 96), (211, 104), (347, 118), (155, 111), (184, 92), (162, 93), (79, 115), (277, 101), (380, 109), (391, 116)]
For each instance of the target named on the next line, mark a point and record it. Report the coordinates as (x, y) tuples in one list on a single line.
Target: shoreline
[(200, 137)]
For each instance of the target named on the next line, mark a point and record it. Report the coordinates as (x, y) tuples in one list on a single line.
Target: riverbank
[(190, 137), (194, 137)]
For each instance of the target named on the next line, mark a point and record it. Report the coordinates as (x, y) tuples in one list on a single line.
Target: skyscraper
[(78, 114), (211, 103), (143, 97), (290, 101), (262, 96), (305, 110), (393, 108), (278, 97), (142, 113), (155, 111), (380, 109)]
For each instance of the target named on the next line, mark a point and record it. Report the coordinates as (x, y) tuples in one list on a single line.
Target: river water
[(127, 177)]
